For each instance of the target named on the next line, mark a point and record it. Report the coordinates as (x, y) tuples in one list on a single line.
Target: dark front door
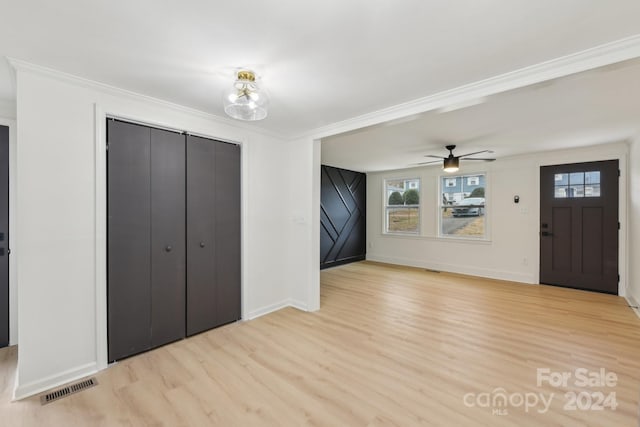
[(579, 225), (4, 236)]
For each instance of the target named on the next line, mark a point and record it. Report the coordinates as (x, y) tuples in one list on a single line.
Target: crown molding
[(25, 66), (595, 57)]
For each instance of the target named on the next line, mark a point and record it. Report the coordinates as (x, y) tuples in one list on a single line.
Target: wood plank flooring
[(391, 346)]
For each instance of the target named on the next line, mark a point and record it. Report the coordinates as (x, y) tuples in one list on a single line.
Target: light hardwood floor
[(390, 346)]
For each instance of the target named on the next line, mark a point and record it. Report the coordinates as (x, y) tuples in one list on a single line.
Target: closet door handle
[(168, 248), (202, 244)]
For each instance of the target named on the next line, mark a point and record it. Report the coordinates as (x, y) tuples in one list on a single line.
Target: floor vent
[(68, 390), (431, 271)]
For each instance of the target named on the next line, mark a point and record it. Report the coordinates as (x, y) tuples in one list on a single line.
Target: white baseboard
[(633, 304), (25, 390), (22, 391), (289, 302), (298, 304), (455, 268), (267, 309)]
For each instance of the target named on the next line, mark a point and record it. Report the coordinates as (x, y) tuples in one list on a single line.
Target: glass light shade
[(451, 164), (245, 100)]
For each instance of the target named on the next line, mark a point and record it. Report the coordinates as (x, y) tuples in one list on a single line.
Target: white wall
[(7, 109), (634, 219), (60, 264), (303, 251), (512, 249)]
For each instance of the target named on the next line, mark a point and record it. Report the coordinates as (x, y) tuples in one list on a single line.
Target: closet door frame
[(124, 113)]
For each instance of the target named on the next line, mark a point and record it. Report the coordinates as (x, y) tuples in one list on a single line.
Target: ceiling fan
[(452, 163)]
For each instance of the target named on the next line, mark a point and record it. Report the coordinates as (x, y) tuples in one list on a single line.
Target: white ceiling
[(595, 107), (322, 62)]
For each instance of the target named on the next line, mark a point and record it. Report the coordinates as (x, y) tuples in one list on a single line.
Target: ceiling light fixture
[(245, 100)]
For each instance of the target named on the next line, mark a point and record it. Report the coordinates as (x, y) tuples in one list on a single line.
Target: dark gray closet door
[(201, 266), (228, 216), (213, 234), (129, 236), (167, 237), (4, 236)]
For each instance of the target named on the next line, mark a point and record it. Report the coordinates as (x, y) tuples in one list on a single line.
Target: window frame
[(386, 207), (485, 237)]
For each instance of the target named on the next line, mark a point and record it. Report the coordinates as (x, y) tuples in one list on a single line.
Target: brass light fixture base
[(246, 75)]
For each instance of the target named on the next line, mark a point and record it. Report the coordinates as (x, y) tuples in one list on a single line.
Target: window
[(402, 205), (463, 207), (577, 184)]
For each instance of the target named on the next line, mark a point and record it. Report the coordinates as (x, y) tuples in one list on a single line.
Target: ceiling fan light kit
[(451, 164), (245, 100)]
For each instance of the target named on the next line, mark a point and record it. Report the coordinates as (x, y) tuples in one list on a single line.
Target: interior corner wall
[(634, 219), (511, 251), (56, 206), (303, 251)]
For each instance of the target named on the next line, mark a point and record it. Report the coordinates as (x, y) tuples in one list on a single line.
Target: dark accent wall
[(343, 200)]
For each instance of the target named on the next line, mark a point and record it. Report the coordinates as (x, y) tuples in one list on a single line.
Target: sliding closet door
[(129, 229), (228, 216), (167, 237), (213, 234)]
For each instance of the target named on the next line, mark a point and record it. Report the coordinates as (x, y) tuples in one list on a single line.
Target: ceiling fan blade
[(477, 152), (484, 160), (435, 157), (426, 163)]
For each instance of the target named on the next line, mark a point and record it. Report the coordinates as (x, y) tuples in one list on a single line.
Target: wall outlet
[(370, 245), (525, 261)]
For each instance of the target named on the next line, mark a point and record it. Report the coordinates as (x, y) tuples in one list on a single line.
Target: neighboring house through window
[(463, 206)]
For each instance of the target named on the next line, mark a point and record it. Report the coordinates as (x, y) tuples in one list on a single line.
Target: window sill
[(471, 240)]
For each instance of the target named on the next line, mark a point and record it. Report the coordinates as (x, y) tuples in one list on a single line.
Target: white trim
[(245, 232), (101, 236), (289, 302), (299, 305), (13, 219), (101, 116), (52, 381), (455, 268), (313, 287), (595, 57), (21, 65), (633, 304), (267, 309)]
